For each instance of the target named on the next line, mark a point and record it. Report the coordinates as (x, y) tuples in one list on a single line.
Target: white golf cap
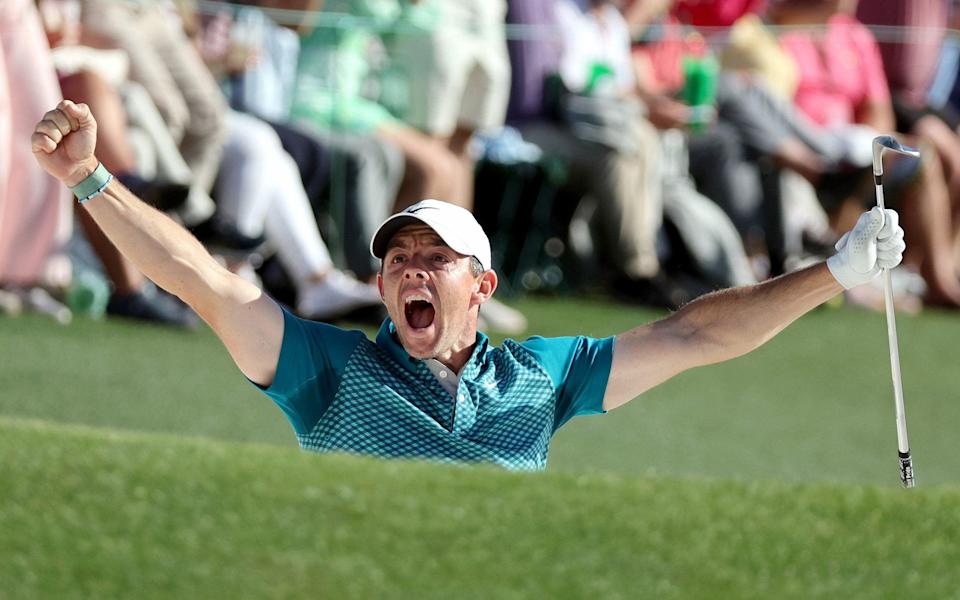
[(455, 226)]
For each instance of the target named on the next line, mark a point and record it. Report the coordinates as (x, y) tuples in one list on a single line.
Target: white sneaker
[(10, 303), (500, 317), (335, 296), (39, 301)]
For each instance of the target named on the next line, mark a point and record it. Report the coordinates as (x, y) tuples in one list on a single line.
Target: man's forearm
[(163, 250), (732, 322)]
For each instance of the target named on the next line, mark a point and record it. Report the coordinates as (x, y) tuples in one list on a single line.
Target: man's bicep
[(250, 325), (645, 357)]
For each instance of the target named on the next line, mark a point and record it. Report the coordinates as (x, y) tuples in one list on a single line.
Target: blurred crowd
[(655, 149)]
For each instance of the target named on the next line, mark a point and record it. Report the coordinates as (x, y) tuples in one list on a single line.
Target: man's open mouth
[(419, 312)]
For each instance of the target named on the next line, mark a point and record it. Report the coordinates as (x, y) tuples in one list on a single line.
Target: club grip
[(906, 469)]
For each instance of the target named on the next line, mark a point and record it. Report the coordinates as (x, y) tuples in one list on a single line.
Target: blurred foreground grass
[(106, 514)]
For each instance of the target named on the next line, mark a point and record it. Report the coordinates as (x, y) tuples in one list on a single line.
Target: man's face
[(430, 291)]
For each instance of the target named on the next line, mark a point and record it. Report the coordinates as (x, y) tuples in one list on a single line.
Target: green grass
[(104, 514), (815, 404), (136, 462)]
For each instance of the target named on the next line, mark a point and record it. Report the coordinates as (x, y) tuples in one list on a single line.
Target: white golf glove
[(875, 243)]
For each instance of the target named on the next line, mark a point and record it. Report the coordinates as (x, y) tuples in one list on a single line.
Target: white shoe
[(10, 303), (500, 317), (335, 296), (39, 301)]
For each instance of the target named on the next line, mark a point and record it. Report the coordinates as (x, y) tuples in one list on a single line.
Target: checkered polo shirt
[(343, 392)]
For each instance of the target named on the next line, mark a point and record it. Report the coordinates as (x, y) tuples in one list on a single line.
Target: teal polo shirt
[(344, 392)]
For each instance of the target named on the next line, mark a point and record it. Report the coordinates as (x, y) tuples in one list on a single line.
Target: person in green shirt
[(335, 66)]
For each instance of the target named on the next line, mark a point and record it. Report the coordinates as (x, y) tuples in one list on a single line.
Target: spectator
[(334, 64), (131, 296), (842, 83), (353, 200), (623, 172), (259, 188), (453, 56), (910, 64), (163, 60), (35, 211), (624, 180), (765, 127)]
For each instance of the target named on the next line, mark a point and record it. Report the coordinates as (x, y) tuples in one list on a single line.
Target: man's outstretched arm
[(248, 322), (730, 323)]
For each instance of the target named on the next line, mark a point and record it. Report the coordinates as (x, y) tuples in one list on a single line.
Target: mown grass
[(103, 514), (815, 404)]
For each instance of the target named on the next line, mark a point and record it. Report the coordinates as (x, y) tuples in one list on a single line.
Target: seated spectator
[(910, 64), (259, 189), (766, 127), (351, 179), (334, 64), (129, 297), (622, 172), (166, 64), (35, 210), (453, 58), (842, 83), (623, 179)]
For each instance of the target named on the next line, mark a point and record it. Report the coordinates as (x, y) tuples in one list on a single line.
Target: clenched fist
[(64, 142)]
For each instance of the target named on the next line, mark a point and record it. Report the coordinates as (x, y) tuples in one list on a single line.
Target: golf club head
[(888, 142)]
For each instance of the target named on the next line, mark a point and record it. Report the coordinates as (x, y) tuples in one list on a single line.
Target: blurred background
[(645, 150)]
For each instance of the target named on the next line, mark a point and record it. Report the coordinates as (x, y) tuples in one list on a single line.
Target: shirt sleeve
[(312, 359), (579, 367)]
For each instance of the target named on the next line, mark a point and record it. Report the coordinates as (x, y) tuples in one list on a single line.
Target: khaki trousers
[(626, 186)]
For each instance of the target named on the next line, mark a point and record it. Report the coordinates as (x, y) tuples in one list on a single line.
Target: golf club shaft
[(903, 444)]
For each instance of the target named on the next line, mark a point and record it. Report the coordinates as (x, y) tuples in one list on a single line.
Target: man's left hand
[(875, 243)]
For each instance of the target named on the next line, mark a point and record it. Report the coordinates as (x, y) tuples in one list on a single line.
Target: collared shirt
[(344, 392), (446, 377)]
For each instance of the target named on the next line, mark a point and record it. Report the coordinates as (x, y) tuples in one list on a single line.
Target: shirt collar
[(388, 340)]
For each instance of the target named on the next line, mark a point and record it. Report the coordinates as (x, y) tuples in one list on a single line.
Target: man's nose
[(415, 269)]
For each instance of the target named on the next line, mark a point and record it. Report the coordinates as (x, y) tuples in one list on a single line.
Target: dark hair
[(476, 269)]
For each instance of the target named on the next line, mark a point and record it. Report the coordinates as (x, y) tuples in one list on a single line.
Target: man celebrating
[(430, 385)]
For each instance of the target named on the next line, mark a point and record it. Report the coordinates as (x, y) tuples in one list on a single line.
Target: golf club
[(880, 145)]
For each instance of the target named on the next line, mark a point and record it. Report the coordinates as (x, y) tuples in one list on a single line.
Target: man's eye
[(440, 258), (397, 258)]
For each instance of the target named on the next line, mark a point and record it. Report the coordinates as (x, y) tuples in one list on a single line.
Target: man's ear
[(486, 286), (380, 286)]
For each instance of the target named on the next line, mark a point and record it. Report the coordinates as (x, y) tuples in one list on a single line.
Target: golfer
[(431, 386)]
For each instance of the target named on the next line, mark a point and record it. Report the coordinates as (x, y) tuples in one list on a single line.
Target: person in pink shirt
[(35, 211), (841, 73), (843, 88), (910, 59)]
